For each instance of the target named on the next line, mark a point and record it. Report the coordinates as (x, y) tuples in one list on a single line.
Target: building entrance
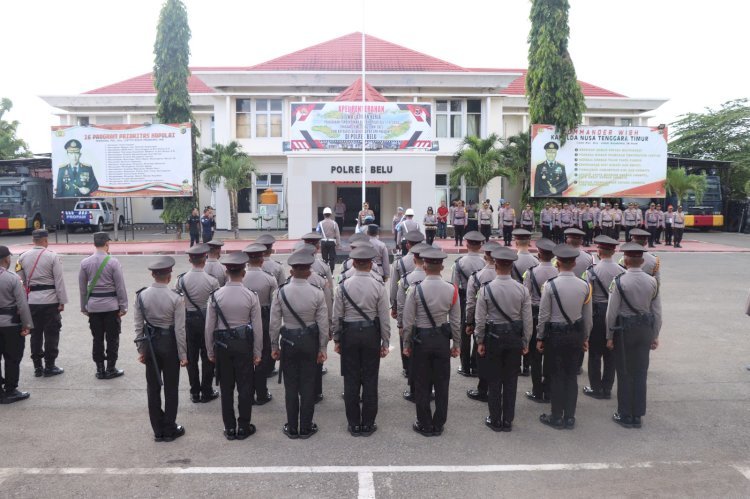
[(353, 200)]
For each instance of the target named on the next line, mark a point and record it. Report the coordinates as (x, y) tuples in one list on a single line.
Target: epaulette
[(178, 292), (477, 271), (656, 265), (215, 290), (267, 272), (314, 285), (139, 291), (284, 284), (276, 261)]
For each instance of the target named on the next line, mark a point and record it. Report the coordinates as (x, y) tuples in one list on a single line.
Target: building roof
[(144, 84), (518, 86), (353, 93)]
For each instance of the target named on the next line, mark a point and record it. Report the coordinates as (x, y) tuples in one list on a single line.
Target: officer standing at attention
[(534, 280), (40, 269), (651, 264), (382, 260), (402, 266), (276, 269), (212, 266), (104, 300), (234, 339), (196, 287), (354, 238), (601, 366), (630, 220), (527, 218), (361, 336), (563, 330), (574, 237), (329, 231), (263, 285), (633, 325), (350, 271), (299, 337), (432, 317), (462, 269), (407, 225), (652, 225), (546, 219), (162, 346), (15, 325), (519, 267), (507, 222), (679, 227), (503, 330)]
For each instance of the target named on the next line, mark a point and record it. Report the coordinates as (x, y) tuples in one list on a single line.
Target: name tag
[(670, 220)]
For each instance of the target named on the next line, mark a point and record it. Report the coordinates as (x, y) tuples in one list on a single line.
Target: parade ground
[(82, 437)]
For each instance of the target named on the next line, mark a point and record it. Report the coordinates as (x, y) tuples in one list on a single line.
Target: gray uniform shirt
[(583, 261), (465, 266), (239, 306), (384, 266), (199, 285), (605, 271), (512, 297), (413, 277), (163, 308), (401, 267), (48, 271), (575, 296), (261, 283), (539, 275), (442, 301), (525, 261), (351, 271), (407, 225), (642, 292), (274, 268), (370, 296), (651, 265), (215, 270), (12, 294), (320, 282), (476, 281), (329, 229), (309, 303), (110, 280)]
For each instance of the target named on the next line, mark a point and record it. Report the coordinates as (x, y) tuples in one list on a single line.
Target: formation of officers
[(505, 313)]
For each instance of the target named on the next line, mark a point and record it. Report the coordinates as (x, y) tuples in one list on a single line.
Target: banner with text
[(122, 161), (599, 161), (338, 125)]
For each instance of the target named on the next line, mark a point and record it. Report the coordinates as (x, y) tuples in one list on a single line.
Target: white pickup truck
[(94, 214)]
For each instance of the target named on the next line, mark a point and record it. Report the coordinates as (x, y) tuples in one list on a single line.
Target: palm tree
[(517, 158), (230, 165), (679, 183), (478, 161)]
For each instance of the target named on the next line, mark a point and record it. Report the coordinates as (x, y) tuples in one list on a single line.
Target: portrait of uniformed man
[(75, 179), (550, 179)]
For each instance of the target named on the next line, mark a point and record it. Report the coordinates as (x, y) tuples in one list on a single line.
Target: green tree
[(679, 183), (229, 165), (552, 89), (176, 211), (718, 134), (10, 146), (516, 155), (478, 161)]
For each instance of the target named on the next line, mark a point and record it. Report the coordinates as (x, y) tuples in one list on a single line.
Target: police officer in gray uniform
[(265, 286), (462, 269), (562, 333), (354, 238), (329, 230), (382, 261), (503, 330), (234, 340), (15, 325), (633, 325), (162, 346), (41, 271), (601, 366), (212, 266), (651, 264), (299, 337), (276, 269), (432, 317), (534, 280), (361, 335), (403, 265), (196, 286), (104, 300), (351, 270), (574, 237), (526, 260)]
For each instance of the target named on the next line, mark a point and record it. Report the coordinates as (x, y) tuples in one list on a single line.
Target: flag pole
[(364, 164)]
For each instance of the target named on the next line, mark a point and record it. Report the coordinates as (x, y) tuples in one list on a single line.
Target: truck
[(92, 214)]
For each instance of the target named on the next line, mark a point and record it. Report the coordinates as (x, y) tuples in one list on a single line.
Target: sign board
[(338, 126), (122, 161), (599, 161)]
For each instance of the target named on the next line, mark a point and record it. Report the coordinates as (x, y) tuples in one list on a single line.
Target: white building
[(253, 106)]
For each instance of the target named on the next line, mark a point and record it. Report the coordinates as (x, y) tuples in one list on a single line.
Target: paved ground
[(78, 436)]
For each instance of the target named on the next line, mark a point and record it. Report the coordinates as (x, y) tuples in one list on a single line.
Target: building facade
[(253, 106)]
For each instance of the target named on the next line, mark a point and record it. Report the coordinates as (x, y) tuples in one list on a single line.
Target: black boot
[(38, 369), (112, 371), (52, 370), (100, 370)]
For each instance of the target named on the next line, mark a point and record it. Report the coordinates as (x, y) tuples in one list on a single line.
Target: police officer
[(263, 285), (534, 280), (601, 366), (354, 238), (630, 220), (104, 300), (403, 265), (574, 238), (563, 330), (382, 261), (546, 220), (162, 347), (276, 269), (15, 325), (361, 336), (462, 269), (212, 266), (527, 218), (350, 271), (651, 264), (74, 178), (432, 317), (679, 227), (234, 340), (503, 330), (331, 237), (299, 336), (652, 225), (407, 225), (507, 220), (633, 325), (41, 271), (196, 286), (525, 261)]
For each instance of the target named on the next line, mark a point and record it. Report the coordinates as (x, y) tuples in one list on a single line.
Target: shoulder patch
[(656, 265), (315, 285), (18, 266)]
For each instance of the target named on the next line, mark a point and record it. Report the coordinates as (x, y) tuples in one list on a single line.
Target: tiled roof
[(518, 86), (144, 84), (353, 93)]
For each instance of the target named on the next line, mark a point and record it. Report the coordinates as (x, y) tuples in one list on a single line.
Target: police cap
[(551, 146), (633, 249), (606, 242), (100, 239), (363, 252), (40, 233), (433, 254), (215, 243), (373, 228), (312, 236), (358, 237), (504, 253), (360, 242), (73, 145), (545, 244), (521, 234), (162, 265), (574, 232), (254, 249), (301, 258), (414, 236), (565, 252), (4, 251), (419, 248), (490, 246), (198, 249), (265, 239), (639, 233), (234, 260), (474, 237)]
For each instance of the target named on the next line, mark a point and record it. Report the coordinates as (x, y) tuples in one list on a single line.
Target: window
[(448, 118), (157, 203), (213, 130), (83, 121), (441, 179), (268, 118), (626, 121), (243, 118), (263, 181), (474, 117)]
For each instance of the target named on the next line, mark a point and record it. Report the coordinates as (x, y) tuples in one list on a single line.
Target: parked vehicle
[(93, 214)]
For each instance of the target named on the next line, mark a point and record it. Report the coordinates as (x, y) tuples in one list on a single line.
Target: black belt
[(299, 331), (162, 331), (428, 331), (359, 324), (563, 327), (238, 333), (329, 242), (107, 294), (195, 313), (8, 311), (41, 287)]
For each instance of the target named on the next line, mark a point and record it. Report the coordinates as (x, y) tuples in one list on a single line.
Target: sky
[(688, 51)]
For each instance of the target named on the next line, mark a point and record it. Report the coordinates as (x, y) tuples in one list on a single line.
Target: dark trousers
[(360, 362), (328, 253), (404, 359), (486, 230), (502, 389), (235, 369), (45, 336), (538, 363), (678, 235), (195, 238), (557, 234), (546, 231), (467, 363), (658, 235), (11, 353), (652, 235), (616, 235), (441, 229), (631, 358), (168, 365), (628, 228), (458, 232), (472, 224), (563, 355), (589, 234), (429, 235), (196, 349), (482, 383), (507, 234), (207, 236), (668, 232), (432, 369), (340, 222), (105, 326), (299, 366), (262, 370), (601, 366)]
